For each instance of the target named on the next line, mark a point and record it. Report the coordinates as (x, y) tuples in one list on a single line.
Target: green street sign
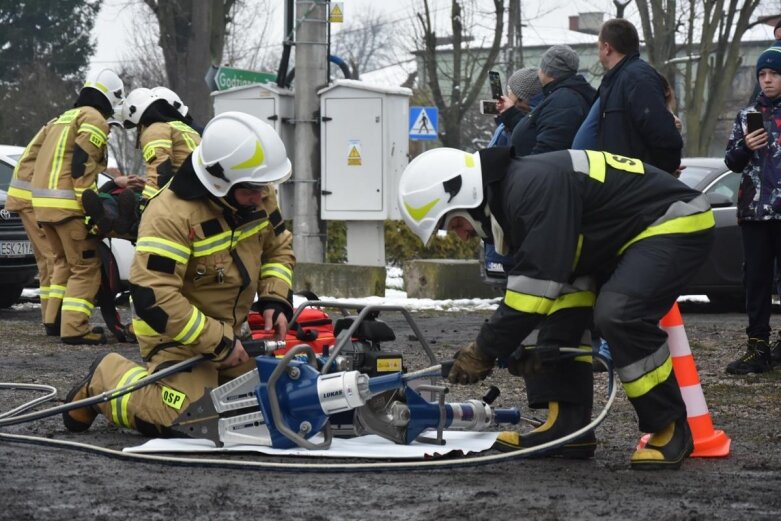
[(227, 77)]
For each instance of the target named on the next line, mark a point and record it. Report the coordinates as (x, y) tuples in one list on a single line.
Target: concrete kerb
[(442, 279), (339, 280)]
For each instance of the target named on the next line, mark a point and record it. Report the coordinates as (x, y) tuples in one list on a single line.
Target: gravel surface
[(43, 482)]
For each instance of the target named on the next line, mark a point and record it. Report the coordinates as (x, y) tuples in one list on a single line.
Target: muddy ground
[(40, 482)]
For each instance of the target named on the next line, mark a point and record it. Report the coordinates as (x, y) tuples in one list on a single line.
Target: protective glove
[(470, 366)]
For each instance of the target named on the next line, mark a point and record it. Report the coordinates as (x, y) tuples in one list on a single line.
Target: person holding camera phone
[(753, 149), (553, 123), (523, 94)]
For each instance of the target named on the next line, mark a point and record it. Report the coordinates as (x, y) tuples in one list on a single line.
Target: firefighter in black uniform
[(592, 235)]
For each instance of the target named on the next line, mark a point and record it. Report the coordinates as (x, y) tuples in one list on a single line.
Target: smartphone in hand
[(754, 122), (488, 107), (496, 84)]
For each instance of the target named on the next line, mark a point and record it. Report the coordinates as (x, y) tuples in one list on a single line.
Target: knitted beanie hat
[(524, 83), (770, 59), (559, 61)]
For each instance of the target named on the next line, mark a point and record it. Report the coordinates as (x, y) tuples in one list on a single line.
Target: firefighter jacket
[(198, 266), (165, 146), (568, 216), (20, 195), (68, 163)]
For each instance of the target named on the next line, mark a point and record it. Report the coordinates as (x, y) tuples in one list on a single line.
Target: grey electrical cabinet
[(364, 149)]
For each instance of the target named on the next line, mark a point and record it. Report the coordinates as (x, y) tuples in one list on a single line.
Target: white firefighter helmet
[(109, 84), (239, 148), (172, 98), (138, 100), (438, 182)]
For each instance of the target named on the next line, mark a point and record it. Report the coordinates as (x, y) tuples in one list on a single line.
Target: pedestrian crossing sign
[(423, 123)]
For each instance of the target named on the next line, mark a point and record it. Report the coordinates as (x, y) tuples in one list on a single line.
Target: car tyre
[(9, 295)]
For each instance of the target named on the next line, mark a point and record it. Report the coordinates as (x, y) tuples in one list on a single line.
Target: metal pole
[(311, 75)]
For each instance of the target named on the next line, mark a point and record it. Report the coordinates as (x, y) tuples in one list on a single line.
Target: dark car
[(17, 262), (721, 277)]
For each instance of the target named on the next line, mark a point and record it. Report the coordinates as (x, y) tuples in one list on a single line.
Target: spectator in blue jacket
[(757, 155), (629, 117), (567, 97)]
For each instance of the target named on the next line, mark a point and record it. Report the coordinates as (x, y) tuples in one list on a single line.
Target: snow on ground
[(394, 296)]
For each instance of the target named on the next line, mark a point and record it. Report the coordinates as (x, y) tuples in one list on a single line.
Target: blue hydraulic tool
[(296, 401)]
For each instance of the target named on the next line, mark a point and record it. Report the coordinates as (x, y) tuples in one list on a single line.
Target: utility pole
[(311, 75)]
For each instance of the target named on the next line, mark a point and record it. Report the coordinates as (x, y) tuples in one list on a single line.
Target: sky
[(546, 21)]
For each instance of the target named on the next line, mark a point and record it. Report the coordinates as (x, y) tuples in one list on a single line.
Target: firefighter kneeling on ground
[(588, 232), (207, 243)]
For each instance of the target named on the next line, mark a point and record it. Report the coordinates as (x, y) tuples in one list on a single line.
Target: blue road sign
[(423, 123)]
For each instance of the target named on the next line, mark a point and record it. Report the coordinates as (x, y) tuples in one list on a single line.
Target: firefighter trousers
[(75, 277), (43, 255), (646, 282), (152, 409)]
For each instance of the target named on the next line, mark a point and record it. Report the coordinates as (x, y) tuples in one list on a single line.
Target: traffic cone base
[(708, 442)]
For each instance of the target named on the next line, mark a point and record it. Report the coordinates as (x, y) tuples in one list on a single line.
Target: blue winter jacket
[(553, 123), (634, 120)]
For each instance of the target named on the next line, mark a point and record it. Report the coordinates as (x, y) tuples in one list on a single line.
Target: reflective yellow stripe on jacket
[(530, 295), (152, 146), (164, 248), (280, 271), (681, 217)]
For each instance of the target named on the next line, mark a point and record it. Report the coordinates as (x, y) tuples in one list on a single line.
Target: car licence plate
[(15, 248)]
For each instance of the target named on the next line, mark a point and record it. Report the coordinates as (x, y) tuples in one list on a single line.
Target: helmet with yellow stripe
[(436, 183), (109, 85), (239, 148)]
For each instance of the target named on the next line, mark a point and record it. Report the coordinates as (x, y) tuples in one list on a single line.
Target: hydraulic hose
[(266, 465)]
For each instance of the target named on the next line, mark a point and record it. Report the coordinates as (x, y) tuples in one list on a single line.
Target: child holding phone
[(754, 150)]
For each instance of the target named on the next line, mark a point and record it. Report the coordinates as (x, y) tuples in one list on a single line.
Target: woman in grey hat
[(568, 96)]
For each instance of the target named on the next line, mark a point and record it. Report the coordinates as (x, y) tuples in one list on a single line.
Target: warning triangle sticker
[(423, 126), (336, 14), (354, 156)]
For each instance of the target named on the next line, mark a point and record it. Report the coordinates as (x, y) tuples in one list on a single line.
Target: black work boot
[(756, 359), (54, 329), (95, 337), (79, 420), (94, 209), (775, 353), (126, 217), (665, 449), (563, 419)]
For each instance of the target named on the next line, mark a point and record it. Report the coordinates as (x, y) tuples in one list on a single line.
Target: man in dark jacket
[(553, 123), (630, 117), (587, 230)]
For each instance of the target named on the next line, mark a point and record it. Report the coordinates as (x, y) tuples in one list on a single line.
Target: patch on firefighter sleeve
[(161, 264), (173, 398)]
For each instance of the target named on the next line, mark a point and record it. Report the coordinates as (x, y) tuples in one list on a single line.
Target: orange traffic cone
[(708, 443)]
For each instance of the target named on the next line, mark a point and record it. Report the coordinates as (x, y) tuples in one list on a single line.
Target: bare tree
[(366, 44), (468, 71), (659, 20), (192, 36), (248, 35), (722, 25)]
